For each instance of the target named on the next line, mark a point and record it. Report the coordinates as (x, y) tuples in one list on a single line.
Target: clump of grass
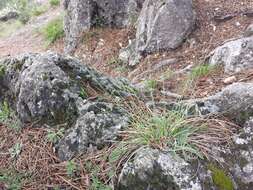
[(54, 2), (197, 73), (71, 168), (8, 118), (53, 30), (54, 136), (11, 179), (7, 28), (39, 10)]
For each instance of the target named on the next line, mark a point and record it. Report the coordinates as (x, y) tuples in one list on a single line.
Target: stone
[(155, 170), (164, 25), (234, 101), (229, 80), (234, 56), (84, 14), (249, 31), (98, 125), (44, 88), (8, 15)]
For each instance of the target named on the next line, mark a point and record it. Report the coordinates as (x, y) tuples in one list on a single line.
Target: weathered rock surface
[(154, 170), (98, 125), (45, 87), (235, 55), (83, 14), (164, 24), (234, 101)]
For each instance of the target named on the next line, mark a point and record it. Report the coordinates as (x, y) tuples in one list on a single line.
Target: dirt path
[(28, 39)]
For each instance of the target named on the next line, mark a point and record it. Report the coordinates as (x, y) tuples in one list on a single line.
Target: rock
[(249, 31), (8, 15), (235, 55), (84, 14), (44, 88), (128, 54), (163, 25), (155, 170), (229, 80), (234, 101), (98, 125)]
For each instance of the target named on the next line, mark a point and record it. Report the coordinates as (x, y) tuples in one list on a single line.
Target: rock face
[(154, 170), (234, 101), (49, 89), (83, 14), (164, 24), (97, 125), (235, 55)]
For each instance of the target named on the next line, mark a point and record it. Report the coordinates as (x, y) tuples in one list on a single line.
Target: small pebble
[(229, 80)]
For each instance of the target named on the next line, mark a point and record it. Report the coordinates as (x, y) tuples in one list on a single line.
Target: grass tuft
[(54, 2), (53, 30)]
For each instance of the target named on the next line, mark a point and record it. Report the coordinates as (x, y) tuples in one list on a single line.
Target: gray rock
[(98, 125), (83, 14), (249, 31), (45, 88), (129, 56), (164, 24), (154, 170), (8, 15), (235, 55), (234, 101)]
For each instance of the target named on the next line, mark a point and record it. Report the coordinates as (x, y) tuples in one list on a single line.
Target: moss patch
[(221, 180)]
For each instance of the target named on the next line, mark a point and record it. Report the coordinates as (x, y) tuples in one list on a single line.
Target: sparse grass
[(53, 30), (12, 179), (71, 168), (197, 73), (151, 84), (8, 118), (15, 150), (7, 28), (39, 10), (54, 136), (54, 2)]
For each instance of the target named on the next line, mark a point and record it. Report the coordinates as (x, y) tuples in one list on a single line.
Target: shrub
[(53, 30), (54, 2)]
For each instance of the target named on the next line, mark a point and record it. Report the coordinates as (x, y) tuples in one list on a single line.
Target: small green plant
[(83, 94), (220, 179), (71, 168), (2, 70), (15, 150), (54, 2), (54, 136), (151, 84), (53, 30), (12, 180), (114, 61), (201, 71), (39, 10), (8, 118)]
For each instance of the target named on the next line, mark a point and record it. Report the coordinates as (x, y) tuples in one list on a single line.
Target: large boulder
[(45, 88), (164, 24), (83, 14), (155, 170), (234, 55), (98, 125)]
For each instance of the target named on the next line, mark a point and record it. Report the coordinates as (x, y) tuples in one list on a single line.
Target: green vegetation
[(8, 118), (53, 30), (12, 179), (169, 130), (83, 94), (15, 150), (55, 135), (54, 2), (71, 168), (114, 61), (7, 28), (39, 10), (151, 84), (2, 70), (220, 179)]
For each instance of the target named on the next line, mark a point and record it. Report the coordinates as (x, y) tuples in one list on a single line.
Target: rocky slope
[(98, 114)]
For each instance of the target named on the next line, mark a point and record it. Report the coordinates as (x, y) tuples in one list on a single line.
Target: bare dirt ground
[(28, 38)]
